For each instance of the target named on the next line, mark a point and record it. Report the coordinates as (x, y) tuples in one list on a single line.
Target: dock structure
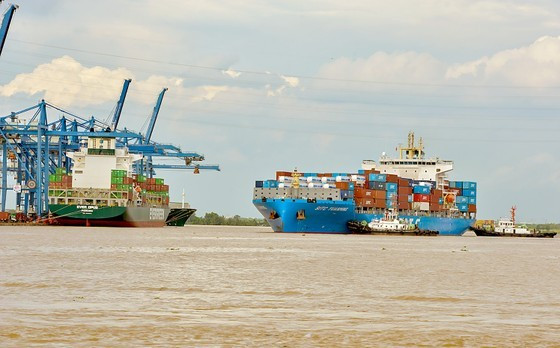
[(33, 145), (5, 24)]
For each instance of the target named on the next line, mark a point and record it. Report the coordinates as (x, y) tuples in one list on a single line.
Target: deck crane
[(120, 104), (6, 24)]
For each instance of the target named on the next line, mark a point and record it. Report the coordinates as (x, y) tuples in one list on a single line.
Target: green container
[(141, 178), (60, 171), (58, 178), (52, 177), (159, 181)]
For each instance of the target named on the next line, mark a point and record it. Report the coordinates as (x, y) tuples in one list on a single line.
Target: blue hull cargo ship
[(415, 187)]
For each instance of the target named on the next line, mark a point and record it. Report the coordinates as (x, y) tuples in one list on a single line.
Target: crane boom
[(120, 104), (6, 25), (153, 119)]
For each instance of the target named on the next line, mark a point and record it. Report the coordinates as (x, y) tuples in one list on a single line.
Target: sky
[(261, 86)]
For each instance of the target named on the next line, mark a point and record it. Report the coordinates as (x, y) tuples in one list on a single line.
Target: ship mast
[(513, 209), (412, 151)]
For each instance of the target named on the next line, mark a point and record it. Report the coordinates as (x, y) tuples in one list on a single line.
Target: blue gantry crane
[(33, 146), (5, 26)]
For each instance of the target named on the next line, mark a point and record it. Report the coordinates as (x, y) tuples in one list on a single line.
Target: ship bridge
[(411, 163)]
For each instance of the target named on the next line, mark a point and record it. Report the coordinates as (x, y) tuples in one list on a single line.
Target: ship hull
[(333, 216), (79, 215), (179, 216)]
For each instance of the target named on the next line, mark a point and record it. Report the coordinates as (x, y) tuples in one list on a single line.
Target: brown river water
[(243, 286)]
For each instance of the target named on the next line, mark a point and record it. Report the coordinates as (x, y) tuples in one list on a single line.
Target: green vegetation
[(215, 219), (545, 227)]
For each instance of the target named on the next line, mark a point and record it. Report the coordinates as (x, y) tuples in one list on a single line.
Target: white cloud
[(396, 67), (231, 73), (207, 93), (536, 65), (64, 81), (290, 80)]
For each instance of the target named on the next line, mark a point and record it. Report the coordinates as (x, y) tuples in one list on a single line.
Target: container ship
[(102, 191), (415, 186)]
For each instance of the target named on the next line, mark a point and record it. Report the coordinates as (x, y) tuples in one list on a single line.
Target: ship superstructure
[(416, 187)]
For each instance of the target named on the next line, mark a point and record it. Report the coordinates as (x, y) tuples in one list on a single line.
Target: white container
[(358, 178), (313, 179), (314, 185), (342, 179), (284, 185), (328, 186), (285, 179), (327, 179)]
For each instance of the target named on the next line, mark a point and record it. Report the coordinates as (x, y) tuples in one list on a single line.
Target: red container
[(418, 197), (403, 183), (405, 190), (165, 188), (392, 178), (378, 194), (279, 174), (324, 175), (380, 203), (472, 208), (436, 207), (457, 190), (342, 185), (365, 202), (360, 192), (402, 198), (404, 205)]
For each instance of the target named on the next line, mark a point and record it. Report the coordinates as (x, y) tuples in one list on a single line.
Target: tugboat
[(390, 224), (507, 228)]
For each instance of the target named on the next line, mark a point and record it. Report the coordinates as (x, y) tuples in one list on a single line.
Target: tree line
[(215, 219)]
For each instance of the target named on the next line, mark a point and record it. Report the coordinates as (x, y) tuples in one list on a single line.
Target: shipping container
[(403, 183), (418, 197), (469, 193), (389, 195), (469, 185), (258, 183), (462, 200), (378, 177), (365, 202), (328, 180), (391, 186), (405, 190), (392, 178), (472, 200), (463, 207), (423, 206), (376, 185), (342, 185), (403, 198), (472, 208), (363, 193), (404, 206), (436, 207), (421, 189)]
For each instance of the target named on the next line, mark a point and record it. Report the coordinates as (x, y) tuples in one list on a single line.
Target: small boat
[(390, 224), (507, 228)]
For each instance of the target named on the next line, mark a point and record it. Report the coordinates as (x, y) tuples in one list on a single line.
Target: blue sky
[(264, 86)]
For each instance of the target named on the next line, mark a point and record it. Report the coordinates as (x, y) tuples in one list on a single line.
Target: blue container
[(361, 171), (421, 189), (469, 193), (410, 198), (310, 174), (259, 183), (351, 186), (389, 204), (456, 184), (345, 194), (378, 177), (464, 207), (462, 200), (391, 186), (390, 194), (270, 184), (472, 200), (469, 185)]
